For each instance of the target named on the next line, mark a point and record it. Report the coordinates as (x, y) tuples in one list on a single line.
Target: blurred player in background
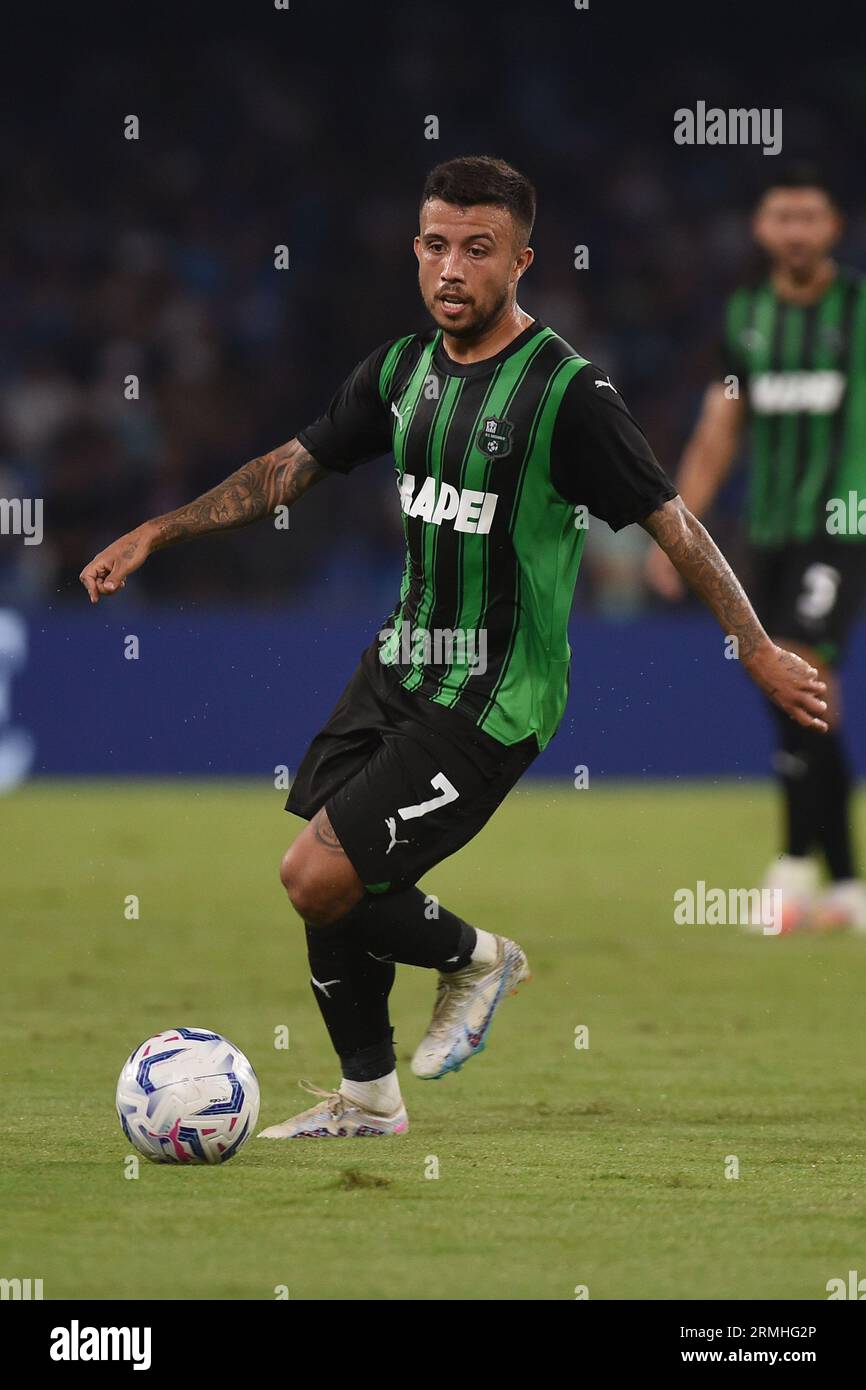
[(793, 371), (503, 436)]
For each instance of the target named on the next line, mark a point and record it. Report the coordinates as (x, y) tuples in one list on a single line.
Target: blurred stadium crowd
[(155, 257)]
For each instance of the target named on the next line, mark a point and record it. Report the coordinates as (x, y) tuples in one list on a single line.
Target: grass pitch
[(558, 1167)]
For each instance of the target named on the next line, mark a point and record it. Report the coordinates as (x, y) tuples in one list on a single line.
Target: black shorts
[(405, 782), (809, 593)]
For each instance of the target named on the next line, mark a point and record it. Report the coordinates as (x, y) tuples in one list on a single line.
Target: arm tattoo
[(275, 479), (325, 833), (697, 557)]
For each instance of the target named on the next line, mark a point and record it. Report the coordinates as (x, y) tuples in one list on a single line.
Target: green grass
[(557, 1167)]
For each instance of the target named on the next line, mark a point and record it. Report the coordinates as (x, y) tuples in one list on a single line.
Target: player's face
[(468, 264), (797, 227)]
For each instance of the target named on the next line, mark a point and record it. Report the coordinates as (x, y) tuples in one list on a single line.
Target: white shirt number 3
[(820, 588)]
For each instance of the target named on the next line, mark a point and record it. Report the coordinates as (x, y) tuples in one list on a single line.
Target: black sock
[(816, 781), (351, 990), (793, 768), (408, 928), (834, 795)]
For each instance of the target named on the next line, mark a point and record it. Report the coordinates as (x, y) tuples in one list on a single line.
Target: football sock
[(351, 989), (486, 949), (834, 827), (792, 767), (380, 1097), (352, 968), (410, 929), (816, 782)]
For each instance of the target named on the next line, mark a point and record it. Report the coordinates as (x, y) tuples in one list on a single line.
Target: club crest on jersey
[(494, 438)]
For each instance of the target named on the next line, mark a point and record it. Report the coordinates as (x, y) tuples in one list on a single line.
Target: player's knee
[(295, 879), (318, 901)]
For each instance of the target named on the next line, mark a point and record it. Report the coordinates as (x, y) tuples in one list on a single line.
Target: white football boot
[(797, 881), (466, 1001), (841, 905), (337, 1117)]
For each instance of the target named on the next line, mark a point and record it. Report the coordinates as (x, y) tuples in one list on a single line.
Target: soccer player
[(503, 438), (793, 371)]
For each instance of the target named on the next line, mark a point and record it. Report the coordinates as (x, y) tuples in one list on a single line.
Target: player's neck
[(806, 288), (492, 340)]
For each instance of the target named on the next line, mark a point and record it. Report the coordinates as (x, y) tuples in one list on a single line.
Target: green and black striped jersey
[(804, 372), (498, 464)]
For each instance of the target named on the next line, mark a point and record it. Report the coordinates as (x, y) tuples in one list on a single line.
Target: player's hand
[(662, 577), (108, 571), (791, 683)]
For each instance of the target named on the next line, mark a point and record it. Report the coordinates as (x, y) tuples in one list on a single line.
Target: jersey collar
[(448, 367)]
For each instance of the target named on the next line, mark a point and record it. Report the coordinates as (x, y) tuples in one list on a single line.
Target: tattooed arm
[(276, 479), (784, 677)]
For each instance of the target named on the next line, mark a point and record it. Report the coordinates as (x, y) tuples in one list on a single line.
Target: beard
[(477, 324)]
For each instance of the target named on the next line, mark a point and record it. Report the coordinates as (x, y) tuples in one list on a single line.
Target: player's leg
[(351, 988), (809, 596), (816, 774), (422, 797), (354, 938), (352, 956), (364, 909), (476, 969), (805, 763), (419, 798), (399, 925)]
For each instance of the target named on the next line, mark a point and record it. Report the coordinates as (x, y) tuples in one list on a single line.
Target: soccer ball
[(187, 1096)]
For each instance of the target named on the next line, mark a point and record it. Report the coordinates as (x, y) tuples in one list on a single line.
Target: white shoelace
[(337, 1103)]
